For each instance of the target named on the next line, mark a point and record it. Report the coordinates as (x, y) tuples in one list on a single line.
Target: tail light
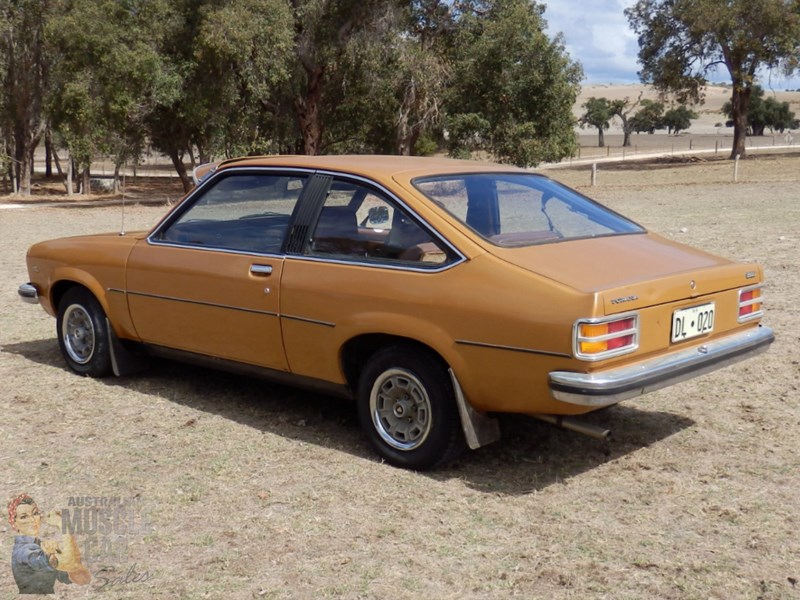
[(597, 339), (750, 304)]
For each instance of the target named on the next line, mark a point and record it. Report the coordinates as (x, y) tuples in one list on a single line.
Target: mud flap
[(479, 428), (123, 361)]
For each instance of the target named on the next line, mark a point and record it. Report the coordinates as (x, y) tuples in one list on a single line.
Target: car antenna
[(122, 223)]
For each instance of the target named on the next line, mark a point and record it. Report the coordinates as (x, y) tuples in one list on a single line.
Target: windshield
[(521, 209)]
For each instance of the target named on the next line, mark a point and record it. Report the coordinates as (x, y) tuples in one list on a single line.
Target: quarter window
[(359, 223), (244, 212)]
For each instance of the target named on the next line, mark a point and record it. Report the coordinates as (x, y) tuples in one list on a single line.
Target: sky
[(598, 36)]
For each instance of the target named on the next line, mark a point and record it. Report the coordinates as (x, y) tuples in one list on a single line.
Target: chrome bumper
[(28, 293), (604, 388)]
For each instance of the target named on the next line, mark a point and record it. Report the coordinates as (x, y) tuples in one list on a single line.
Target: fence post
[(716, 147), (736, 169), (594, 174)]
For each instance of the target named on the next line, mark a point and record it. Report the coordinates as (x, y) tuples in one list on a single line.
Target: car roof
[(373, 166)]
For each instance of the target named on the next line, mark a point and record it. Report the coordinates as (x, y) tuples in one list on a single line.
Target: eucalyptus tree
[(513, 83), (224, 62), (107, 75), (678, 118), (622, 109), (25, 66), (765, 113), (649, 117), (682, 41), (597, 113), (324, 34), (396, 73)]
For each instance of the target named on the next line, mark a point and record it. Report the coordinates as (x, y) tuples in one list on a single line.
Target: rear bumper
[(28, 293), (604, 388)]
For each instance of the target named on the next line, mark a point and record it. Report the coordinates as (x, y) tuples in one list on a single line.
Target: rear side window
[(362, 224)]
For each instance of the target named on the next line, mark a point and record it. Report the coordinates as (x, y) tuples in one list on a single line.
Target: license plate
[(691, 322)]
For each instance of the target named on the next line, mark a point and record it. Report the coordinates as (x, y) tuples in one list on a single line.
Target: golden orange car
[(435, 292)]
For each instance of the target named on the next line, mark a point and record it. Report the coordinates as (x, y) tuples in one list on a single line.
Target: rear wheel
[(407, 408), (83, 334)]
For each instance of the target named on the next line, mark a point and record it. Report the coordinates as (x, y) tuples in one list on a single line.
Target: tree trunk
[(24, 163), (626, 130), (740, 102), (69, 175), (8, 174), (48, 153), (601, 141), (116, 178), (58, 163), (403, 140), (307, 110), (176, 156), (86, 181)]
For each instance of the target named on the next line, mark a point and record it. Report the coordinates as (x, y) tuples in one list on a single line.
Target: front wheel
[(83, 334), (407, 408)]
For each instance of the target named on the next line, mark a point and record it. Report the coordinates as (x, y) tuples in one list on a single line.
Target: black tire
[(83, 334), (407, 408)]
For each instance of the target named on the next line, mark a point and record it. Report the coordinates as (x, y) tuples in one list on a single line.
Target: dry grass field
[(254, 490)]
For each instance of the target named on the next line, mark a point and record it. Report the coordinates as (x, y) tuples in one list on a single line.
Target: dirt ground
[(254, 490)]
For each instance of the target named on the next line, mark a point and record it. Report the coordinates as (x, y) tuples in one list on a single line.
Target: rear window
[(521, 209)]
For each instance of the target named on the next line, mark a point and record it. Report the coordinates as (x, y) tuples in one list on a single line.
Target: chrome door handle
[(261, 269)]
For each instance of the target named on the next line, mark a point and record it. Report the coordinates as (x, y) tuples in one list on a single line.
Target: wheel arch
[(73, 278), (356, 352), (115, 305)]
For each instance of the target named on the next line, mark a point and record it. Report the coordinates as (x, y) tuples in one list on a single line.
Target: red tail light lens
[(750, 304), (597, 339)]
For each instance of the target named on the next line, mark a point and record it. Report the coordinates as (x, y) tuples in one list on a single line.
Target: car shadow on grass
[(530, 456)]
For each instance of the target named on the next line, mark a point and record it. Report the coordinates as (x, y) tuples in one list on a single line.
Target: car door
[(365, 253), (207, 280)]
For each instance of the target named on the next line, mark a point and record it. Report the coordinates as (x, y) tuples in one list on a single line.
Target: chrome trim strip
[(202, 303), (215, 305), (604, 388), (512, 348), (28, 293), (307, 320), (577, 338), (760, 300), (119, 291), (376, 265), (215, 249)]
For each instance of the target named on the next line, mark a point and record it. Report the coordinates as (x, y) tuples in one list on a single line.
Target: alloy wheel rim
[(78, 334), (401, 409)]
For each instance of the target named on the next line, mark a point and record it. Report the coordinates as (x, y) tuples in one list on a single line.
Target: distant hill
[(710, 112)]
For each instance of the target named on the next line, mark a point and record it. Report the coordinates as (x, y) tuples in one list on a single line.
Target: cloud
[(597, 35)]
